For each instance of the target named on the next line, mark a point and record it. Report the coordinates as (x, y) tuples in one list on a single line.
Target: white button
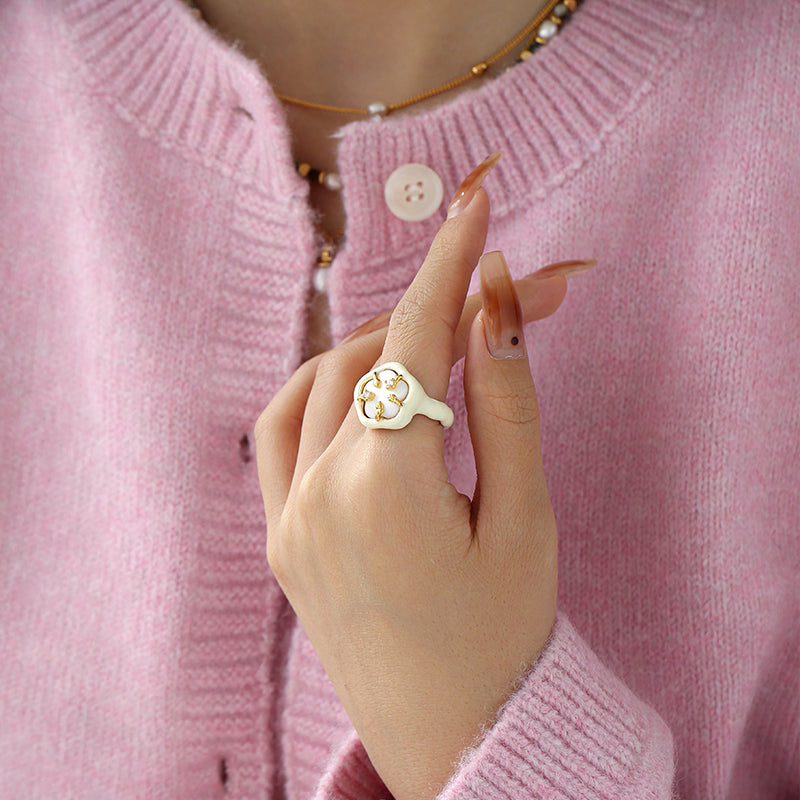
[(321, 275), (413, 192)]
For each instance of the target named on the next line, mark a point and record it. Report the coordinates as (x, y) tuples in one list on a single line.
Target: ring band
[(389, 396)]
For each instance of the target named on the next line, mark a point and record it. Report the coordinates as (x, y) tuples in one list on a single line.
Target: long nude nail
[(502, 314), (470, 185), (565, 268)]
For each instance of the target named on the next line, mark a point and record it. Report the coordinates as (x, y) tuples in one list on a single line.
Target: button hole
[(222, 772), (244, 449), (244, 111)]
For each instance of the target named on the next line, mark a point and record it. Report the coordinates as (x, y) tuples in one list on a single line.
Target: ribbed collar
[(180, 84)]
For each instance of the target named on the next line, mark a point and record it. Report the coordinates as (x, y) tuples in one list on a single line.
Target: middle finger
[(331, 396)]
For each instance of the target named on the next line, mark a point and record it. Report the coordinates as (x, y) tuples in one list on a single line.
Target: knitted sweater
[(157, 253)]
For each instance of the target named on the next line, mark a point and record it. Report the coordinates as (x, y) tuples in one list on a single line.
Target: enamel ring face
[(389, 396)]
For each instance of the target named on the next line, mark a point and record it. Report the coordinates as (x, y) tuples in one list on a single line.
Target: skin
[(423, 605), (351, 52), (347, 53)]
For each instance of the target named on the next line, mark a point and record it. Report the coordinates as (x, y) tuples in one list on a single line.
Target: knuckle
[(263, 429), (311, 491), (508, 405), (365, 478), (445, 244), (331, 364), (448, 248), (277, 536), (411, 309), (421, 309), (294, 531), (274, 556), (316, 500)]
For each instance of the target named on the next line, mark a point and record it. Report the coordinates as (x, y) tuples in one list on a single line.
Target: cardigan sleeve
[(571, 730)]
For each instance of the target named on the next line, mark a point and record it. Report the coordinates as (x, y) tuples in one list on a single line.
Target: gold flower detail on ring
[(382, 394)]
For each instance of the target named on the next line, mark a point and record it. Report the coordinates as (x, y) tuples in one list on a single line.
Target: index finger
[(424, 322)]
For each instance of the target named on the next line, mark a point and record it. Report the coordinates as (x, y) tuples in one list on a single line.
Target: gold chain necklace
[(545, 23)]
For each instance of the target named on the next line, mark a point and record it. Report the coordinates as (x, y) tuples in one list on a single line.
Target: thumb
[(502, 411)]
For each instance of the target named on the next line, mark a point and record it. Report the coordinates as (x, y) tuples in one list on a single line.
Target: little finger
[(277, 434)]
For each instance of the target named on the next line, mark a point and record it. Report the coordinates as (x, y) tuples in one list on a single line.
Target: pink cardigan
[(157, 248)]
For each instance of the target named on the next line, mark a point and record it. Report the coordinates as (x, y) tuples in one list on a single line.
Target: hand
[(423, 606), (538, 293)]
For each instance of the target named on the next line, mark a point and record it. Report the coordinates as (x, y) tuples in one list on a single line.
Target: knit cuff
[(571, 730)]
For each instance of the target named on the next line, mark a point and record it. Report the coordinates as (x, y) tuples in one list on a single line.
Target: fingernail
[(565, 268), (502, 315), (471, 184), (381, 321)]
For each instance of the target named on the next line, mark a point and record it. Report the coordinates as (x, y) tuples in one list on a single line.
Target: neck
[(353, 52)]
